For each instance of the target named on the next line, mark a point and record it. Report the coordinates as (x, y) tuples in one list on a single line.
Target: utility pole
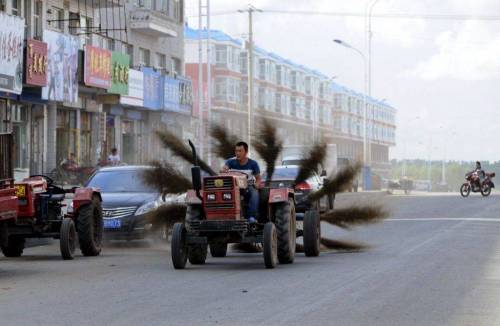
[(200, 80), (209, 86), (250, 10)]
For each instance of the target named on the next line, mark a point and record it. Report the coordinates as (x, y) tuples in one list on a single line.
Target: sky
[(442, 76)]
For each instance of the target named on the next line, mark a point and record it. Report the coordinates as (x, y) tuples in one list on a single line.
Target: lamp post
[(366, 169)]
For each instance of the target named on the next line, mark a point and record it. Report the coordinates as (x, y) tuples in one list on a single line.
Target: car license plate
[(112, 224)]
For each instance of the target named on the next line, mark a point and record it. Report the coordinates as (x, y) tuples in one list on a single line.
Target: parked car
[(126, 201), (284, 176)]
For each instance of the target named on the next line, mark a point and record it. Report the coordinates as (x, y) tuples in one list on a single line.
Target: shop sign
[(177, 95), (153, 89), (97, 67), (120, 64), (62, 69), (11, 53), (135, 96), (36, 63)]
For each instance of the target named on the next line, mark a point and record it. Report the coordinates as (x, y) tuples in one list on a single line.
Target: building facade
[(305, 104), (109, 73)]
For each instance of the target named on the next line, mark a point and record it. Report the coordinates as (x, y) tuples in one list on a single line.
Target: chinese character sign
[(97, 67), (11, 53), (135, 95), (119, 73), (153, 86), (177, 94), (36, 63), (62, 68)]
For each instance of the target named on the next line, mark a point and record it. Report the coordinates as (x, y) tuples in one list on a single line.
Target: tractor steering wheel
[(240, 172), (50, 181)]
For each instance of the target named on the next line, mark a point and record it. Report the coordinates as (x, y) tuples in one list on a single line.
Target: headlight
[(147, 207), (70, 207), (227, 196), (210, 197)]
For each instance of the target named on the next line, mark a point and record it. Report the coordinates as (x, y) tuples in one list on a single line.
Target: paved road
[(436, 262)]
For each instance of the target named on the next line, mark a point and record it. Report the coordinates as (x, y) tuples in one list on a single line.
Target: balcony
[(152, 23)]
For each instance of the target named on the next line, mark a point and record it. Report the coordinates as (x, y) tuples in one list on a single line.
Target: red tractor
[(216, 216), (39, 214)]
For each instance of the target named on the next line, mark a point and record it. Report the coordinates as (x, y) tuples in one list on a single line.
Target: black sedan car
[(125, 200)]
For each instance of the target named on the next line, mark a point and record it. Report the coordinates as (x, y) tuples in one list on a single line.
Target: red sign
[(36, 63), (97, 71)]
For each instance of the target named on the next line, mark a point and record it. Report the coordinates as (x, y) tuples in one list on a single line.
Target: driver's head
[(72, 155), (241, 150), (114, 151), (478, 164)]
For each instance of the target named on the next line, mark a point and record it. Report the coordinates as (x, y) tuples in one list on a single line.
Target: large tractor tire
[(178, 246), (218, 249), (270, 247), (89, 225), (286, 230), (14, 247), (312, 233), (67, 241)]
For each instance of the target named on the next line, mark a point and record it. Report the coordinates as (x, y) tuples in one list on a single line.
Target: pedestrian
[(114, 158)]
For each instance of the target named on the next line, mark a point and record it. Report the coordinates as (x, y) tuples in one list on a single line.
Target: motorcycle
[(473, 183)]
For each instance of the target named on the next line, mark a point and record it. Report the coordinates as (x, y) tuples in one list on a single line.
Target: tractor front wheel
[(178, 246), (270, 247), (286, 229), (218, 249), (67, 241), (14, 247), (312, 233), (89, 224), (197, 254)]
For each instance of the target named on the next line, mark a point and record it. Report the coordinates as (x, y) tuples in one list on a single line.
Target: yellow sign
[(20, 191), (219, 183)]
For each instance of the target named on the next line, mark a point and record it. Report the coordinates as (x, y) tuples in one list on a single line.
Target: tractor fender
[(280, 195), (84, 196)]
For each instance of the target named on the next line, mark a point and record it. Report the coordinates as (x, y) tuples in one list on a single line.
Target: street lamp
[(366, 171)]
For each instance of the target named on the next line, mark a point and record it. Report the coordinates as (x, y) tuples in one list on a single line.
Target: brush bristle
[(178, 148), (309, 164), (352, 216), (343, 245), (340, 182), (268, 145), (224, 142), (167, 215), (166, 179)]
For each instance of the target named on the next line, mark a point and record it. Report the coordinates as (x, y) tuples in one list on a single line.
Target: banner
[(120, 64), (97, 67), (62, 81), (11, 53), (36, 63), (135, 96), (153, 89), (177, 95)]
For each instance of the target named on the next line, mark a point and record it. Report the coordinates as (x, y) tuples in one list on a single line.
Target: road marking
[(424, 219)]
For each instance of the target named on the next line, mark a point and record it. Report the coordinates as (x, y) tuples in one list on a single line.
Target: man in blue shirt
[(242, 163)]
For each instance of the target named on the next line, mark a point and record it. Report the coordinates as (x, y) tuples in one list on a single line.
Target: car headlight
[(149, 206)]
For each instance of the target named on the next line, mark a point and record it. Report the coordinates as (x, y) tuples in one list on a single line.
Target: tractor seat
[(53, 197)]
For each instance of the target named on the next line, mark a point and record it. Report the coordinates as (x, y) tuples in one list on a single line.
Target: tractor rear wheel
[(89, 225), (178, 246), (197, 254), (67, 241), (270, 247), (312, 233), (218, 249), (286, 230), (14, 247)]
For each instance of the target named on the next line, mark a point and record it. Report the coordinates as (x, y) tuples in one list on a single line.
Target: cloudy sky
[(442, 75)]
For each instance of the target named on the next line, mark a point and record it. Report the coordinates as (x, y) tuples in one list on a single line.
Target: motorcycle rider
[(251, 168), (480, 172)]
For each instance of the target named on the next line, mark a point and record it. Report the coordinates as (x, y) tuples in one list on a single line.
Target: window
[(129, 49), (37, 19), (144, 57), (57, 18), (243, 62), (221, 55), (16, 7), (178, 10), (161, 60), (177, 66)]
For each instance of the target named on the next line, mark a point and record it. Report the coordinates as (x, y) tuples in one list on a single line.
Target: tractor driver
[(251, 168)]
